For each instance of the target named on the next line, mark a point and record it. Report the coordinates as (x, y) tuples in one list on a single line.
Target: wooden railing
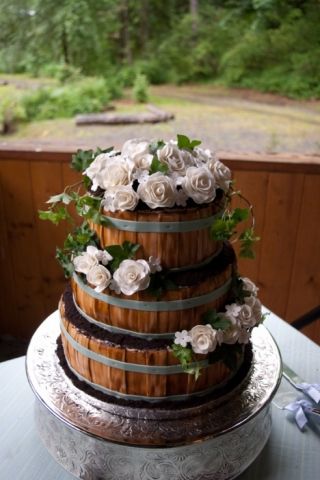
[(285, 192)]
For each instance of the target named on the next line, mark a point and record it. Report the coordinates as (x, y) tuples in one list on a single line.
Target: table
[(289, 454)]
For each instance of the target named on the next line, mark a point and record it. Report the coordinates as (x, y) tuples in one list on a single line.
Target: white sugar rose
[(138, 150), (157, 191), (117, 171), (221, 173), (199, 184), (122, 198), (84, 262), (132, 276), (177, 160), (256, 307), (249, 286), (204, 339), (95, 168), (101, 255), (202, 156), (100, 277), (246, 316)]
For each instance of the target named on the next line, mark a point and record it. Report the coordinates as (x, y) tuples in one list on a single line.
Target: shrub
[(86, 96), (61, 71), (11, 109), (114, 86), (140, 88)]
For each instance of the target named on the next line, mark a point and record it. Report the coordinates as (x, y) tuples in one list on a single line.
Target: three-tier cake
[(155, 310)]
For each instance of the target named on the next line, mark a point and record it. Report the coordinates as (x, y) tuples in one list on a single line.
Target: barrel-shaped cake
[(156, 310)]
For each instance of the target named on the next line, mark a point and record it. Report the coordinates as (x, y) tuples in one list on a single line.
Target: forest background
[(101, 47)]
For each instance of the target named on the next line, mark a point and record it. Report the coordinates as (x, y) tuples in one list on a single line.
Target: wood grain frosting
[(136, 371), (175, 249)]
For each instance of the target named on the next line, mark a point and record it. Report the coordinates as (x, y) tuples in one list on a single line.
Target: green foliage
[(214, 319), (186, 143), (75, 244), (225, 227), (157, 166), (82, 159), (140, 88), (11, 108), (63, 72), (185, 356), (55, 215), (156, 146), (247, 239), (87, 206), (86, 96), (238, 292), (121, 252), (160, 283), (271, 45)]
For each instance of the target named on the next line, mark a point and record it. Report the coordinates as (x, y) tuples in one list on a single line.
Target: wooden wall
[(285, 192)]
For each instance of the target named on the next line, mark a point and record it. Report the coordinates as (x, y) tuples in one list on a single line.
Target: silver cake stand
[(216, 439)]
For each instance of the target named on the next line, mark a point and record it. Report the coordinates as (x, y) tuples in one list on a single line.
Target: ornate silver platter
[(94, 439)]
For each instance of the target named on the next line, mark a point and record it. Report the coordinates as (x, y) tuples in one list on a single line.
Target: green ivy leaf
[(247, 241), (223, 228), (183, 354), (185, 142), (54, 216), (61, 197), (238, 292), (154, 146), (82, 159), (159, 284), (65, 261), (185, 357), (121, 252), (196, 371), (215, 320), (240, 214), (157, 166), (74, 244)]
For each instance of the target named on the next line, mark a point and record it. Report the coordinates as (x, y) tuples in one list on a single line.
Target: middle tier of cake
[(195, 291)]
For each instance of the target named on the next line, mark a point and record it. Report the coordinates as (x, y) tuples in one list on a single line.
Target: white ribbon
[(310, 389), (299, 408)]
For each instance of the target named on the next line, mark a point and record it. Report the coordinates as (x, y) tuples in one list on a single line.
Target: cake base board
[(217, 439)]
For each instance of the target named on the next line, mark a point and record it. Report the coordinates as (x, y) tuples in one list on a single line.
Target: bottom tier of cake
[(131, 368)]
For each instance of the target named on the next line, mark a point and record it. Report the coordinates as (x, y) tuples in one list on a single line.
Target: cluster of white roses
[(192, 174), (130, 277), (242, 318)]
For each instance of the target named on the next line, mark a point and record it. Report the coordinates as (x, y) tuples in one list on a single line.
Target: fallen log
[(155, 115)]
